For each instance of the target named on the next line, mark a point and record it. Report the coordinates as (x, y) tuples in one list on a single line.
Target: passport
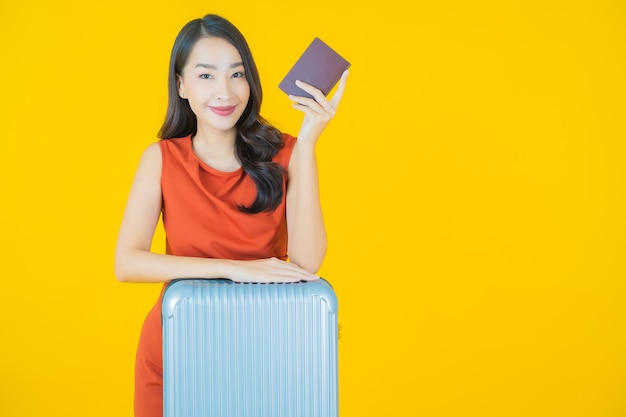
[(319, 65)]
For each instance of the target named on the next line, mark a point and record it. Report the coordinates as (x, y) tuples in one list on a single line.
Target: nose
[(222, 89)]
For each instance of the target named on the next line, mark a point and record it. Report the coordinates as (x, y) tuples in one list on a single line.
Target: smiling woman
[(214, 84), (229, 186)]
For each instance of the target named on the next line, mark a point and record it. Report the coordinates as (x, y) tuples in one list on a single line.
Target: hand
[(269, 270), (318, 111)]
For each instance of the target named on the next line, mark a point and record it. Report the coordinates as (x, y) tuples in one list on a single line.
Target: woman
[(230, 187)]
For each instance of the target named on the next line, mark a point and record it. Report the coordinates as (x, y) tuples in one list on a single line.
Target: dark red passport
[(319, 66)]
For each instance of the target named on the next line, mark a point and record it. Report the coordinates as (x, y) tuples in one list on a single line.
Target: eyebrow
[(214, 67)]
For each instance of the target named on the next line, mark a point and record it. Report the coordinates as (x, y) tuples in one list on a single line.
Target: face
[(214, 82)]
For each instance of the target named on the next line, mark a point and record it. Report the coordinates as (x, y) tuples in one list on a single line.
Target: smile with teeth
[(222, 110)]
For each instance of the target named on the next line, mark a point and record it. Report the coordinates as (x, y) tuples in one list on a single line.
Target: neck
[(216, 149), (218, 140)]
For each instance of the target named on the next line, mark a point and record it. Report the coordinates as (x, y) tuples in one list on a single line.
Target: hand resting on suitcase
[(268, 270)]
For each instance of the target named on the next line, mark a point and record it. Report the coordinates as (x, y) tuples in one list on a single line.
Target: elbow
[(130, 266), (312, 267), (119, 273), (311, 261), (121, 269)]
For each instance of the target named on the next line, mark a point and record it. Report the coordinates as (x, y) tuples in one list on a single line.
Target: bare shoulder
[(152, 152), (151, 159)]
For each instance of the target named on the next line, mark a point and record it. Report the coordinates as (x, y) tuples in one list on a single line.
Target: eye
[(238, 74), (206, 76)]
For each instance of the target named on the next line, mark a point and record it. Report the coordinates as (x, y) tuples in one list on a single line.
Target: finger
[(334, 102), (318, 97), (296, 275), (310, 103), (312, 110), (312, 90), (311, 277), (305, 101), (293, 278), (290, 269)]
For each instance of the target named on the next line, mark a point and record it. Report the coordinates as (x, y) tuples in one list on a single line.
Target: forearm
[(145, 266), (307, 234)]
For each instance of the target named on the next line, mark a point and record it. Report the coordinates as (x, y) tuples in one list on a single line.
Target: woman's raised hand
[(318, 111)]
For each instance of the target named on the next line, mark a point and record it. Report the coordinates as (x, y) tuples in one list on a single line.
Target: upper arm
[(144, 204), (291, 189)]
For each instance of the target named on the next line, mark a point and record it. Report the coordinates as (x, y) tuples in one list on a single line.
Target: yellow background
[(472, 182)]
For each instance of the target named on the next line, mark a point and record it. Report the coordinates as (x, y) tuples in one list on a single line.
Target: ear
[(181, 87)]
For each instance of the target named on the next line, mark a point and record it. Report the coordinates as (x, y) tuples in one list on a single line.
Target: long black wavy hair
[(257, 142)]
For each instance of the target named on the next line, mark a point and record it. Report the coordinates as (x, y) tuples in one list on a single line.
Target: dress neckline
[(207, 167)]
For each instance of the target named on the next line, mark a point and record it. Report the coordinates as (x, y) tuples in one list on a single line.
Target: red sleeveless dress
[(201, 219)]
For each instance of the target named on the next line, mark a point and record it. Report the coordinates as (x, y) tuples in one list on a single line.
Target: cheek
[(243, 91)]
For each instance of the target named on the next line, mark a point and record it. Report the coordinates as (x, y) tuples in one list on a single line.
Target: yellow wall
[(473, 185)]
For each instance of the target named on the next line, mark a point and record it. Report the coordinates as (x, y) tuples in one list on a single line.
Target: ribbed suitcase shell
[(249, 350)]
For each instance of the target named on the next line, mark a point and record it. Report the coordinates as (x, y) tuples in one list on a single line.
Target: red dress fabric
[(201, 218)]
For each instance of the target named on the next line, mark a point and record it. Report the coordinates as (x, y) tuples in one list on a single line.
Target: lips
[(223, 110)]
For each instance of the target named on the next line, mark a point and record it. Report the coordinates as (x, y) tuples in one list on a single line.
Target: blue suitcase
[(249, 350)]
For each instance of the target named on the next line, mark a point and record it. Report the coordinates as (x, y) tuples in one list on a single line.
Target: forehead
[(213, 51)]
